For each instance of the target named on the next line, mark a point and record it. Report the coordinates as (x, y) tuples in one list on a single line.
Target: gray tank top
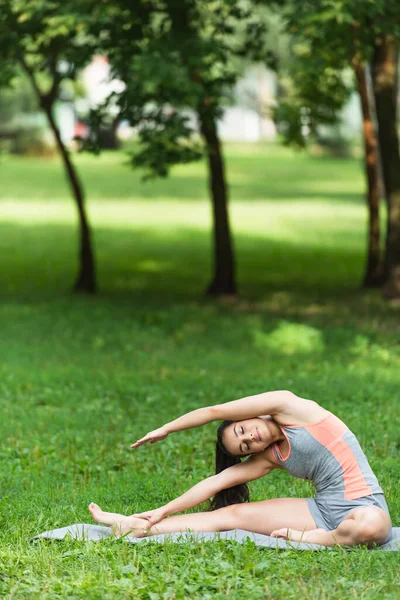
[(329, 455)]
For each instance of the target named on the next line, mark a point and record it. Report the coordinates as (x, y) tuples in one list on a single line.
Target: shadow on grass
[(165, 267)]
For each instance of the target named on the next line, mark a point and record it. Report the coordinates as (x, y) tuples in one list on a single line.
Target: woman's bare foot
[(105, 518), (120, 524)]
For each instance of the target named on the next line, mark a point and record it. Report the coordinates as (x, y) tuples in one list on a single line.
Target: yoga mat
[(85, 532)]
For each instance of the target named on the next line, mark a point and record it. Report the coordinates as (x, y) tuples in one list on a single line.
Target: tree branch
[(32, 78), (52, 94), (46, 99)]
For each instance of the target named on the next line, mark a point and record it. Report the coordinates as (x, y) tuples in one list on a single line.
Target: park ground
[(81, 378)]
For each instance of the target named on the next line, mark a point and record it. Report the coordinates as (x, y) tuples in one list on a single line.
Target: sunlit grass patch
[(290, 338)]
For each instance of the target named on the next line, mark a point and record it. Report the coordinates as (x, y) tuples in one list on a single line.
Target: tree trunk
[(86, 280), (223, 282), (373, 271), (108, 139), (384, 76)]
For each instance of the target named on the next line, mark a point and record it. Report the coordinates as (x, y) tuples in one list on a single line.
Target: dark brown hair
[(223, 460)]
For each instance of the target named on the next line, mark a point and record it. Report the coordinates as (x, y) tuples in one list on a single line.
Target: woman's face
[(247, 437)]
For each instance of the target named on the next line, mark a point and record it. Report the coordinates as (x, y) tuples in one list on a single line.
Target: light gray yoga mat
[(95, 533)]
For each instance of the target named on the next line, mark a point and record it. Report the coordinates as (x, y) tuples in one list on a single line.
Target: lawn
[(82, 378)]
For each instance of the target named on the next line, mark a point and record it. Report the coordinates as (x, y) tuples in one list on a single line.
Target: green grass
[(81, 378)]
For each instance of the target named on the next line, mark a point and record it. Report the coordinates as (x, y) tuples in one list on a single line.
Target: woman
[(273, 430)]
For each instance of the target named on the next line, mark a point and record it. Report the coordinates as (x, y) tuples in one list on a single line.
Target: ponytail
[(223, 459)]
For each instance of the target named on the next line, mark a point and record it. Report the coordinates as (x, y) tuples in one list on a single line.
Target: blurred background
[(290, 112), (199, 201)]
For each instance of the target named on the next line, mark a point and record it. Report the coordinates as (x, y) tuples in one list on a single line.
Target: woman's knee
[(233, 513), (234, 510), (373, 525)]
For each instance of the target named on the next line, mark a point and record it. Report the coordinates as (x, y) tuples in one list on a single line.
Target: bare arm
[(248, 470), (195, 418), (267, 403)]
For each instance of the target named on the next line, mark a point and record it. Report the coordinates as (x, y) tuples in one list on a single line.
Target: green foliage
[(315, 96), (79, 381), (164, 143), (314, 88), (17, 101), (22, 125), (326, 35), (47, 39), (174, 57)]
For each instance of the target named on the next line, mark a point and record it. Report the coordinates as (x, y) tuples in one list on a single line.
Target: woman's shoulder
[(301, 412)]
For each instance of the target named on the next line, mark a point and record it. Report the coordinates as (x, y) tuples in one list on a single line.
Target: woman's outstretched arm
[(195, 418), (253, 468), (267, 403)]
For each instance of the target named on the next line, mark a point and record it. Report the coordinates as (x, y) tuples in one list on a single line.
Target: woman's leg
[(368, 525), (260, 517)]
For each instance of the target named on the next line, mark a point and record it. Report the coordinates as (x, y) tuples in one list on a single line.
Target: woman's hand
[(152, 516), (154, 436)]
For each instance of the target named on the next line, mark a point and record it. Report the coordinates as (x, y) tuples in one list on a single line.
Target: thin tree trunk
[(373, 271), (86, 280), (384, 77), (223, 282)]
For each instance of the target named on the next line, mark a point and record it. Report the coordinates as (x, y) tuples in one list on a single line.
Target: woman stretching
[(273, 430)]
